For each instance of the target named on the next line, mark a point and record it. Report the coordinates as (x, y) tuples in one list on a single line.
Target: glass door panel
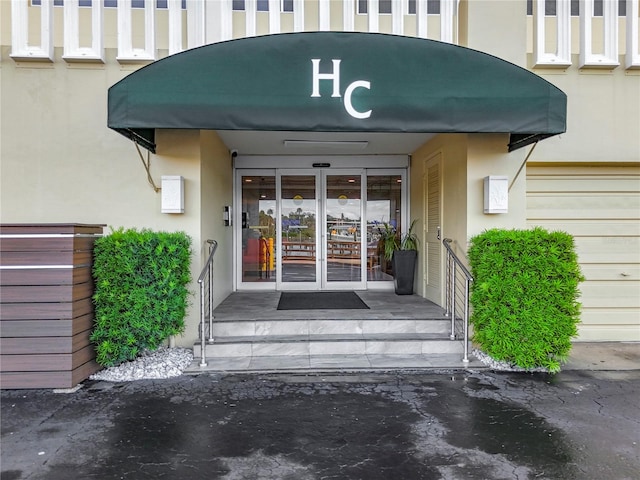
[(298, 231), (258, 229), (384, 211), (343, 232)]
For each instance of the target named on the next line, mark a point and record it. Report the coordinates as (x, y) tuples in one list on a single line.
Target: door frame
[(273, 165)]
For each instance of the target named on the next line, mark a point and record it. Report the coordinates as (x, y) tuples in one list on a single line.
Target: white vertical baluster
[(324, 15), (348, 15), (20, 48), (274, 16), (298, 15), (633, 50), (562, 56), (175, 26), (126, 52), (446, 20), (195, 23), (421, 18), (373, 14), (72, 49), (397, 17), (251, 12), (609, 59)]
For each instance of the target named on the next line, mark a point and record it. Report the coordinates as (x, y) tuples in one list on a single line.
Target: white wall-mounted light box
[(496, 194), (172, 194)]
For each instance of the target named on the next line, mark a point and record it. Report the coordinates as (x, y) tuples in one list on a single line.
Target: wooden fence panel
[(46, 311)]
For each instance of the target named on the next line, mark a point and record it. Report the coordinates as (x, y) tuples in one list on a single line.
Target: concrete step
[(333, 363), (330, 344), (251, 327)]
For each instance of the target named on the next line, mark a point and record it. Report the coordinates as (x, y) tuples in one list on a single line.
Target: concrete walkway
[(604, 356)]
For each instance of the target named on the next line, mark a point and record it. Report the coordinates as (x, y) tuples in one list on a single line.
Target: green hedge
[(524, 297), (141, 291)]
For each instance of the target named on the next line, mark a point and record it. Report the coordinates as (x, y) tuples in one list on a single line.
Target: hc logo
[(335, 77)]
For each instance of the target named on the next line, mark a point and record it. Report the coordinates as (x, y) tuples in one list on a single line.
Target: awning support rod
[(522, 166), (147, 167)]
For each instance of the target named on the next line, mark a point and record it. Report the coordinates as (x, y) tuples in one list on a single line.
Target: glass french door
[(344, 246), (298, 238), (320, 240), (315, 229)]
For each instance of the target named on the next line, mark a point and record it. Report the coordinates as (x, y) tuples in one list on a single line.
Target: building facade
[(292, 132)]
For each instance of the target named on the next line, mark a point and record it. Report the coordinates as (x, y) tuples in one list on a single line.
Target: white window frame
[(562, 56), (609, 59), (20, 48), (126, 52), (633, 51)]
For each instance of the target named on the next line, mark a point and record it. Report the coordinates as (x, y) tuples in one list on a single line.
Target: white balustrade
[(213, 21)]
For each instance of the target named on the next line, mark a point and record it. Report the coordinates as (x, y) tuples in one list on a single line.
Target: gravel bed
[(162, 363), (503, 366)]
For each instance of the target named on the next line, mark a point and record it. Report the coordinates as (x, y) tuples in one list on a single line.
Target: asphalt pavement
[(450, 424)]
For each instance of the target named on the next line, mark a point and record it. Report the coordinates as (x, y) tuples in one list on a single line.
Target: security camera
[(234, 153)]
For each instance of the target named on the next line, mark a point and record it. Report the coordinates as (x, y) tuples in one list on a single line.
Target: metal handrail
[(207, 273), (454, 264)]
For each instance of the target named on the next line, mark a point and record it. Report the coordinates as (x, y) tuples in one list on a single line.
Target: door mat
[(320, 301)]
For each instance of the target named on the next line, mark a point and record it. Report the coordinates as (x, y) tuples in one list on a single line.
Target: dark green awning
[(386, 83)]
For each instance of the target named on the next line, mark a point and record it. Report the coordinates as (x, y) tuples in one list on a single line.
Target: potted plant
[(402, 250)]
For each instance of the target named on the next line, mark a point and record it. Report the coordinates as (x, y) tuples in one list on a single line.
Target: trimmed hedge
[(524, 297), (141, 292)]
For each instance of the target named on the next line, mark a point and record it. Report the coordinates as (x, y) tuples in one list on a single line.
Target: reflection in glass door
[(384, 213), (343, 231), (298, 234), (258, 229)]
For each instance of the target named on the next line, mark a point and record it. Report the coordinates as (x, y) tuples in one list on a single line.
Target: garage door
[(600, 207)]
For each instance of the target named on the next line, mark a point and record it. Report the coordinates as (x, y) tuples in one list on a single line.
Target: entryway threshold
[(333, 363)]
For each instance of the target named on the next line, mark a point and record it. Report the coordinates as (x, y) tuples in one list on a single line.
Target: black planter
[(404, 267)]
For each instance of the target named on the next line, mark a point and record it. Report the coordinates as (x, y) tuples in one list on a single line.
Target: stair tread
[(329, 319), (381, 337)]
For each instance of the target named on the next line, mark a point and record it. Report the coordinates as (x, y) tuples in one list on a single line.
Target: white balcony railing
[(138, 28), (598, 33), (206, 21)]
